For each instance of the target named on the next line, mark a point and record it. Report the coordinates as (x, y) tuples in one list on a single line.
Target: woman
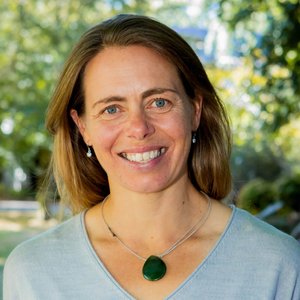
[(141, 153)]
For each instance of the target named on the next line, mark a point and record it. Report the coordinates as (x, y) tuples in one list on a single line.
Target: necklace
[(154, 267)]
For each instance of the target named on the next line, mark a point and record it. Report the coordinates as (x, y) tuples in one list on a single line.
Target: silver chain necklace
[(154, 267)]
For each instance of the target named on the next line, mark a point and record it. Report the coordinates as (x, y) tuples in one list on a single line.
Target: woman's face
[(138, 118)]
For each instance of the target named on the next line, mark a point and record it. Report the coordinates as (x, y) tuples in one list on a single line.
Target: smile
[(143, 157)]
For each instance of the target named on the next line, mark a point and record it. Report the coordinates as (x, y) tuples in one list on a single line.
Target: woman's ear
[(197, 110), (79, 121)]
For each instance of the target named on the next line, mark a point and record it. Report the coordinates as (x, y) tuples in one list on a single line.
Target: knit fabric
[(251, 260)]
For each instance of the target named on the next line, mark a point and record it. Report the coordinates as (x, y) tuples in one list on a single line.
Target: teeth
[(139, 156), (144, 157), (152, 154)]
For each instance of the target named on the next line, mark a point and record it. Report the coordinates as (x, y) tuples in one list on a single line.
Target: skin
[(136, 106)]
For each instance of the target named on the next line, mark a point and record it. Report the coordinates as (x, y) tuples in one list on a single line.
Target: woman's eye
[(160, 103), (111, 110)]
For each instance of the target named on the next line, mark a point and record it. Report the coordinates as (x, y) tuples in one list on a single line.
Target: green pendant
[(154, 268)]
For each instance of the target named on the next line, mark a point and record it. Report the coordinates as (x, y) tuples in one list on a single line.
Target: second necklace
[(154, 267)]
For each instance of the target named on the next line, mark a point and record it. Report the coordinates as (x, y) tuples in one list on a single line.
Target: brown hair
[(80, 180)]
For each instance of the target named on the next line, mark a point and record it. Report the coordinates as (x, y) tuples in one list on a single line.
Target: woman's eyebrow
[(157, 91), (109, 99), (145, 94)]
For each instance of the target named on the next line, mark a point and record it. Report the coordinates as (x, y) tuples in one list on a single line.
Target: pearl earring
[(194, 140), (89, 152)]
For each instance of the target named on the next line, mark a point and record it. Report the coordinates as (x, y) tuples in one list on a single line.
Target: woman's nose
[(139, 126)]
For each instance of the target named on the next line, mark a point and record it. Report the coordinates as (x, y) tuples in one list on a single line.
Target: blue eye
[(111, 110), (160, 102)]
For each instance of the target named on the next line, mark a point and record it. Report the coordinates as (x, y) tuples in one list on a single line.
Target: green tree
[(268, 32), (263, 90)]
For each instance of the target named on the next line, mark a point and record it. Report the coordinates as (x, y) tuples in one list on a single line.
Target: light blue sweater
[(252, 260)]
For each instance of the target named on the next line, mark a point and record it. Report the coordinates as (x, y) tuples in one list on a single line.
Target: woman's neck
[(156, 218)]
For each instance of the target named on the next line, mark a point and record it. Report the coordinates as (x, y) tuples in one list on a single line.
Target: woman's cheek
[(104, 137)]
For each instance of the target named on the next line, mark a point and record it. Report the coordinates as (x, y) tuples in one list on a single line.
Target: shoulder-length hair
[(81, 181)]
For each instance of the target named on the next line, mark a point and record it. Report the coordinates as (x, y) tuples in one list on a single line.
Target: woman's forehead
[(129, 69)]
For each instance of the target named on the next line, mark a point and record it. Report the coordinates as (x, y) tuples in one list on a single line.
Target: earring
[(194, 140), (89, 152)]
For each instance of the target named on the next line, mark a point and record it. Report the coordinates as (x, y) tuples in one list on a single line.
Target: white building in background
[(211, 41), (213, 45)]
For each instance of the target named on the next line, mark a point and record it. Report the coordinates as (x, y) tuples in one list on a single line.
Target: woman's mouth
[(143, 157)]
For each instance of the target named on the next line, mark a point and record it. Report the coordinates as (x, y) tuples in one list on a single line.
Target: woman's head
[(138, 118), (81, 180)]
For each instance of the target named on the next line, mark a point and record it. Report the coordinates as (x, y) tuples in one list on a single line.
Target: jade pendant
[(154, 268)]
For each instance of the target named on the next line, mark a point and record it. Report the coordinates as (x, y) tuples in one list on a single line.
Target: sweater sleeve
[(12, 279), (288, 283)]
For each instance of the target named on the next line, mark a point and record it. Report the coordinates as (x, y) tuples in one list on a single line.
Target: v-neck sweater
[(251, 260)]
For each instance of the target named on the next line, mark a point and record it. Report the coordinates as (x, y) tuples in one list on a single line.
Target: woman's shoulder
[(47, 243), (257, 235)]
